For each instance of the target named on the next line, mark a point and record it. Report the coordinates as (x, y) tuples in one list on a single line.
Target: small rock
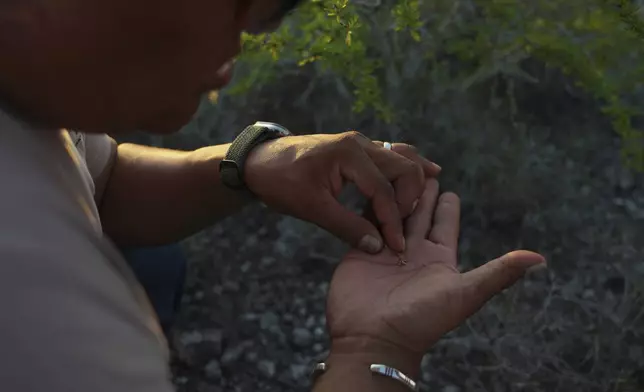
[(213, 338), (298, 372), (282, 248), (245, 267), (636, 353), (268, 320), (426, 362), (456, 350), (213, 369), (323, 287), (319, 332), (266, 368), (639, 267), (231, 286), (232, 354), (631, 206), (302, 337), (181, 380), (250, 316), (318, 348), (267, 261), (626, 180), (251, 356), (199, 295), (310, 322), (451, 388), (212, 335), (190, 338), (588, 294), (217, 289), (251, 241)]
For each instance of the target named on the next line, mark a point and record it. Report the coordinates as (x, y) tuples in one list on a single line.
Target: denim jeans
[(162, 273)]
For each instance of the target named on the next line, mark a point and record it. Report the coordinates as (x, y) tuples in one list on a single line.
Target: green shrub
[(400, 50)]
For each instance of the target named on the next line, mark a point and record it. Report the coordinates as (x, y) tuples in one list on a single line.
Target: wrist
[(350, 359), (233, 167), (364, 350), (263, 163)]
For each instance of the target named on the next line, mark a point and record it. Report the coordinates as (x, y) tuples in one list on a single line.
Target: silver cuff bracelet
[(380, 369)]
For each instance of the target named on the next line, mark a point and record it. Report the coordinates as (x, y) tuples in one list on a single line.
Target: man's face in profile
[(111, 65)]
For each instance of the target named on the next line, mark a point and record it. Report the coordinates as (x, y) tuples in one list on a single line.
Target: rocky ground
[(549, 180)]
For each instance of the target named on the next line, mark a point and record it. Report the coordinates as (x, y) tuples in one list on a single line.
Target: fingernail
[(370, 244), (413, 206), (403, 243), (535, 269), (436, 167)]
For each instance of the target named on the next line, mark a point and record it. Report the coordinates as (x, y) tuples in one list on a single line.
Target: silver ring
[(387, 145)]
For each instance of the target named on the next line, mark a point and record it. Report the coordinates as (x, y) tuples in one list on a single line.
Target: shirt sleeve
[(72, 316), (100, 155)]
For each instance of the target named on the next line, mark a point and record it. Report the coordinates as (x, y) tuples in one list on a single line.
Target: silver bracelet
[(375, 368), (395, 374)]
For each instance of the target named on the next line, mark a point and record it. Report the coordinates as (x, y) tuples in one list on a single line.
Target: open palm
[(413, 305)]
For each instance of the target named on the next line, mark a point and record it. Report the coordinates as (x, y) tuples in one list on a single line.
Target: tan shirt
[(72, 316)]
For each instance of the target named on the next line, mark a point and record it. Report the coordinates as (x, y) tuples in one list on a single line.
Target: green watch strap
[(231, 168)]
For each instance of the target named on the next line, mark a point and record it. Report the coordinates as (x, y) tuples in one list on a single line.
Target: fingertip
[(433, 169), (370, 244), (527, 258), (449, 199), (395, 239), (450, 196)]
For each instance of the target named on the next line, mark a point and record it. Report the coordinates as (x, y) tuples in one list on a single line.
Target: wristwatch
[(231, 168)]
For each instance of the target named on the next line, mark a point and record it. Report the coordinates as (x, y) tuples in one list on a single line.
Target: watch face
[(274, 127)]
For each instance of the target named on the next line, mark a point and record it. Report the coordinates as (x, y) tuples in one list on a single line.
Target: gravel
[(257, 282), (302, 337), (266, 368), (233, 354), (213, 369)]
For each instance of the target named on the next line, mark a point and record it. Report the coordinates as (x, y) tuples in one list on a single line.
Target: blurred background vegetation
[(532, 108)]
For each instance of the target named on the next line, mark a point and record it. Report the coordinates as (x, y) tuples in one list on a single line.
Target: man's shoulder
[(73, 317)]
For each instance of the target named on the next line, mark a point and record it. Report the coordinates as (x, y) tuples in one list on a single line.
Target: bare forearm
[(157, 196)]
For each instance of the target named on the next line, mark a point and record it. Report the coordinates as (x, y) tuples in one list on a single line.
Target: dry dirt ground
[(548, 179)]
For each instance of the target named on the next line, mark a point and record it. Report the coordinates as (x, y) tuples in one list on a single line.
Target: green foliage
[(388, 52)]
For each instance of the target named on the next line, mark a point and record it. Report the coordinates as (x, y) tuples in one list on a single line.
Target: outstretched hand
[(378, 309)]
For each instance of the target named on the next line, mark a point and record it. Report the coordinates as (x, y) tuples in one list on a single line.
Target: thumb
[(355, 229), (486, 281)]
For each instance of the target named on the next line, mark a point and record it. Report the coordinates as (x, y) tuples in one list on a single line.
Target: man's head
[(112, 65)]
